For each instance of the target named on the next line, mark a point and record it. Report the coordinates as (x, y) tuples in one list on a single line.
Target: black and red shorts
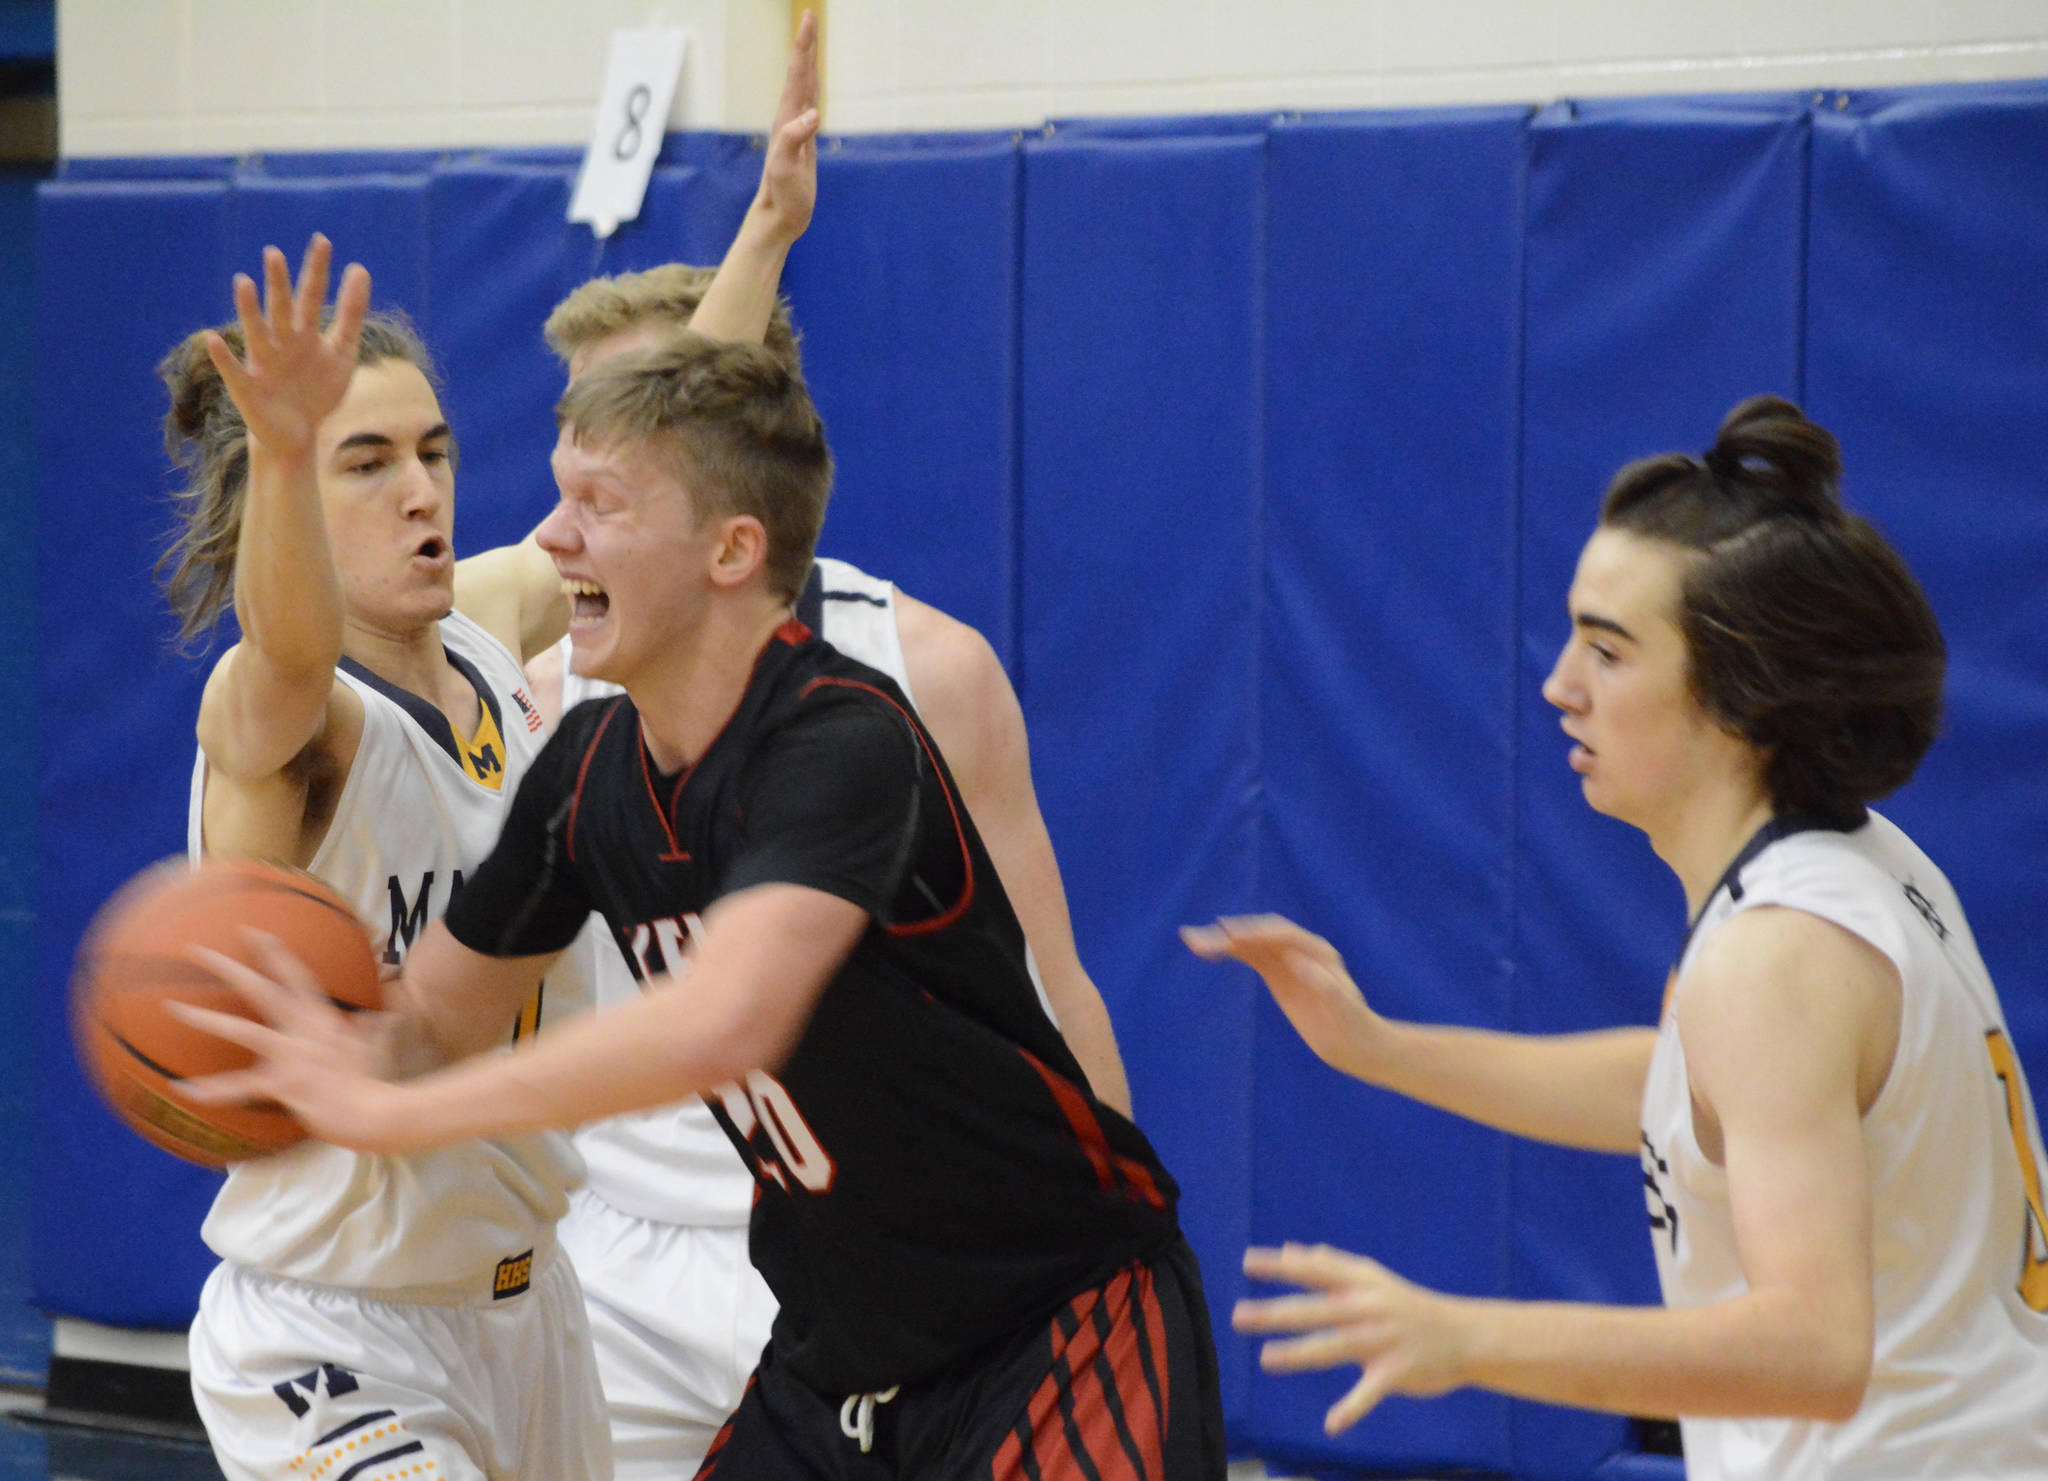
[(1119, 1386)]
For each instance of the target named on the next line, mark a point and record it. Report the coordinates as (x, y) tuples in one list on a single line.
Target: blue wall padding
[(116, 1221), (24, 1335), (1262, 450), (1388, 506), (1927, 353), (483, 216), (1141, 300), (388, 228), (915, 367), (1661, 279)]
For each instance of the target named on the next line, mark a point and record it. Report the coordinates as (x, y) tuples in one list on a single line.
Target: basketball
[(135, 959)]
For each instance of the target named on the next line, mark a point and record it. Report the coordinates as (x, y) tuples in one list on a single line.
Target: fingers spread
[(277, 290), (1308, 1265), (259, 992), (1372, 1386), (287, 970), (1329, 1348), (1287, 1313), (249, 310), (350, 305), (232, 375), (236, 1029), (312, 289)]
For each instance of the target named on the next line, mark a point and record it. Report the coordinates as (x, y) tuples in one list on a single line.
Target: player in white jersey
[(1841, 1156), (398, 1312), (659, 1234), (395, 1311)]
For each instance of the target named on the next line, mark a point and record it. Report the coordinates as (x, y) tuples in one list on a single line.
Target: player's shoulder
[(817, 677), (1832, 871), (822, 696), (938, 647)]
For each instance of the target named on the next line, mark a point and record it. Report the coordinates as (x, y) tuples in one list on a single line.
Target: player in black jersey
[(978, 1262)]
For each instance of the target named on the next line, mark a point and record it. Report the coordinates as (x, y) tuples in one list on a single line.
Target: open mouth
[(433, 548), (587, 601)]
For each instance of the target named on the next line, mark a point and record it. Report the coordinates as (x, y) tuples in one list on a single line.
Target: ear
[(742, 550)]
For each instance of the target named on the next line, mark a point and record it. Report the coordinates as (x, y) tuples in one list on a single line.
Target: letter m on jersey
[(410, 913), (339, 1381)]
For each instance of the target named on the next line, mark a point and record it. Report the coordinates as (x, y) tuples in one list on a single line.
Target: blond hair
[(666, 295), (737, 426)]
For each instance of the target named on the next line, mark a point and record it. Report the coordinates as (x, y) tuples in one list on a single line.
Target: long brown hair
[(1805, 632), (204, 435)]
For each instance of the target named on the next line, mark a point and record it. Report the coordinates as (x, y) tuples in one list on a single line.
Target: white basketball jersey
[(411, 821), (673, 1164), (1959, 1385)]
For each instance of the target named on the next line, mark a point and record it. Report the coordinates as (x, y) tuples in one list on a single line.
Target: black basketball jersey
[(931, 1170)]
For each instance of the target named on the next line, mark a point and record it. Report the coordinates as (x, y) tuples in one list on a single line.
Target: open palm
[(292, 372)]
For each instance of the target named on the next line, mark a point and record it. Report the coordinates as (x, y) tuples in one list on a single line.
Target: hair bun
[(198, 394), (1768, 446)]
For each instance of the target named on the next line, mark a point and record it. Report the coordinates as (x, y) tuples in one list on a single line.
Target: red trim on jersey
[(1088, 1131), (959, 907), (583, 771), (791, 632), (675, 854)]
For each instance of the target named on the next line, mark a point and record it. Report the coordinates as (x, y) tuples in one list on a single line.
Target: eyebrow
[(1604, 624), (378, 439)]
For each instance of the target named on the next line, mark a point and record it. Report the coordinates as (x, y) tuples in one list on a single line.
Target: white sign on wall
[(639, 85)]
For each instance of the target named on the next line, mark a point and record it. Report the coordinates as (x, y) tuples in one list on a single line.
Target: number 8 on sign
[(629, 140), (625, 137)]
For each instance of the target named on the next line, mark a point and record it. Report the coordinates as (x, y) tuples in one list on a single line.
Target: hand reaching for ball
[(325, 1066)]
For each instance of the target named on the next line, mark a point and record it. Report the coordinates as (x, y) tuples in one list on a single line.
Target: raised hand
[(1306, 976), (789, 176), (323, 1065), (292, 373), (1405, 1339)]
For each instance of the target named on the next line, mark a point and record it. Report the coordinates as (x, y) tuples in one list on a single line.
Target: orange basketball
[(135, 959)]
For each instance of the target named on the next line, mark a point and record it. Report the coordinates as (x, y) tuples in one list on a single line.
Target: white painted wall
[(233, 76)]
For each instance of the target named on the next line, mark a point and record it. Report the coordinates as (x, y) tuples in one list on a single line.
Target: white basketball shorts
[(679, 1318), (295, 1380)]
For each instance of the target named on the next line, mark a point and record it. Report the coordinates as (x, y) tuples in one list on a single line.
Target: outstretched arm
[(741, 299), (1789, 1025), (1577, 1090), (972, 712), (271, 696), (514, 592), (766, 955)]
